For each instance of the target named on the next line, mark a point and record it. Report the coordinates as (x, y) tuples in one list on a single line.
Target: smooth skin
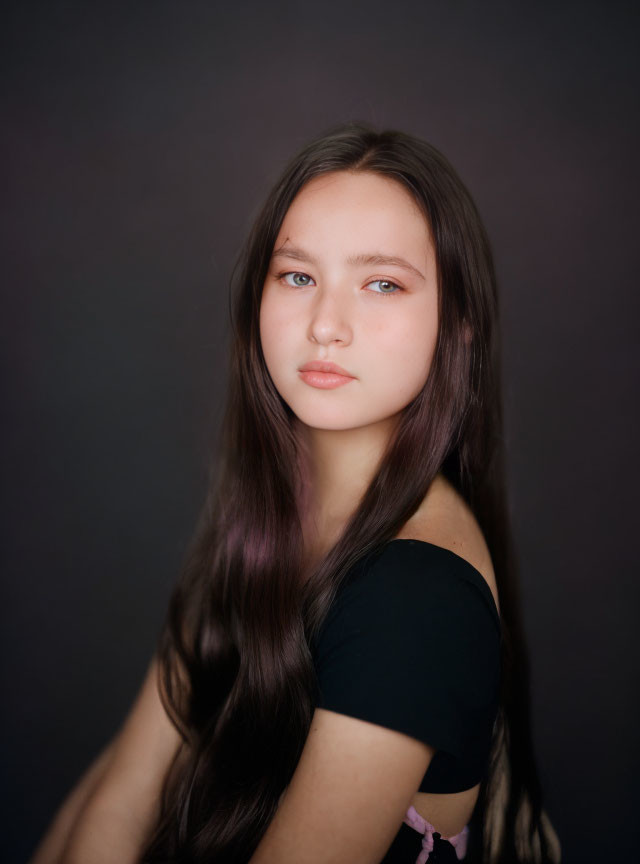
[(355, 780)]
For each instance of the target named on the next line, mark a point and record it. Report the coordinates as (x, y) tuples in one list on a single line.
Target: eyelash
[(281, 276)]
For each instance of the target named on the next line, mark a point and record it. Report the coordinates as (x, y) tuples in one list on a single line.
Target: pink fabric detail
[(459, 841)]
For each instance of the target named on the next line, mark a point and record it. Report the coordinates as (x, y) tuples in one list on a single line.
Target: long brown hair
[(236, 670)]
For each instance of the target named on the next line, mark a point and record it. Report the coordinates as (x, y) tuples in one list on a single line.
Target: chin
[(336, 421), (326, 424)]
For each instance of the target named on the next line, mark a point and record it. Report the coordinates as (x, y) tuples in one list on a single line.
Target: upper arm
[(348, 795)]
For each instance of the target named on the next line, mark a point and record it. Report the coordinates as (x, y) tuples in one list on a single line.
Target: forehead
[(350, 208)]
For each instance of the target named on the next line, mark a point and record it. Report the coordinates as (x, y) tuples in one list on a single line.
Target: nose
[(329, 320)]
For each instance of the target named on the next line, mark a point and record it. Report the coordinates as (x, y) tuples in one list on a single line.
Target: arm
[(50, 848), (348, 795), (114, 808)]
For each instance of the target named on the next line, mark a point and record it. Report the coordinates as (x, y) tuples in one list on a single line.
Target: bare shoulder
[(445, 519)]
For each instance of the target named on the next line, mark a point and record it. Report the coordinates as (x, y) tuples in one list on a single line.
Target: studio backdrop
[(138, 141)]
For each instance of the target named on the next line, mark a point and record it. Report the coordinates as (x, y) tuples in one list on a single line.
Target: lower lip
[(325, 380)]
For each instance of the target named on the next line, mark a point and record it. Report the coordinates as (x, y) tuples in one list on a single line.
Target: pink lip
[(325, 376), (320, 366)]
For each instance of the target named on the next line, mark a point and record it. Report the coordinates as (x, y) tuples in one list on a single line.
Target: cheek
[(274, 330), (402, 357), (404, 353), (268, 325)]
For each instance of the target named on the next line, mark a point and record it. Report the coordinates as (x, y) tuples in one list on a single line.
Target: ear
[(466, 329)]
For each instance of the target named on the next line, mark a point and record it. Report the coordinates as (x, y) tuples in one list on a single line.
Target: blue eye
[(297, 275), (386, 282), (295, 284)]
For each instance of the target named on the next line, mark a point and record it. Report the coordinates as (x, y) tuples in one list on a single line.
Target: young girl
[(342, 676)]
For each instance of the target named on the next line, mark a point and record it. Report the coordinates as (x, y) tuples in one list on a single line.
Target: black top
[(412, 642)]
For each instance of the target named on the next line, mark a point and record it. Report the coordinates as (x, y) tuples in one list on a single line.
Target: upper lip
[(321, 366)]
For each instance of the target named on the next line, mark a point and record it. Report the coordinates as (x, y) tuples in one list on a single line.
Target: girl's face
[(352, 281)]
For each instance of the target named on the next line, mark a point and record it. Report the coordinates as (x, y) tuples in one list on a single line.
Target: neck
[(341, 464)]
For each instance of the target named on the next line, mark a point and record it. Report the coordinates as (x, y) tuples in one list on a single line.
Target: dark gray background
[(138, 142)]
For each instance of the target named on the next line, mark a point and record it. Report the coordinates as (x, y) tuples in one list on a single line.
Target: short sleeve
[(413, 644)]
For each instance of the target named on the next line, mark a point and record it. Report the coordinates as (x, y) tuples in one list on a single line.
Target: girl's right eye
[(294, 274)]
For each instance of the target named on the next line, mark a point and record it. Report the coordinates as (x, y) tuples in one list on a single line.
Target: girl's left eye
[(384, 283)]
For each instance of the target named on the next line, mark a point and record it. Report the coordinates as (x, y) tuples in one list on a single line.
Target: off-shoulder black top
[(412, 642)]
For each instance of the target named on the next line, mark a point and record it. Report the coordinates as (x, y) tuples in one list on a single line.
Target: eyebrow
[(370, 258)]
